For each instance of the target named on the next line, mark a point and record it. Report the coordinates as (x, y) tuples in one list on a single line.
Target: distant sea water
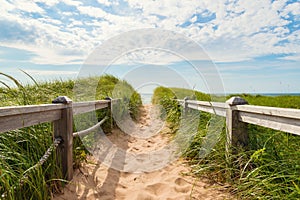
[(262, 94), (146, 98), (276, 94)]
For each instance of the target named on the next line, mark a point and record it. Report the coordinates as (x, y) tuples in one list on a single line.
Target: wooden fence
[(61, 114), (238, 114)]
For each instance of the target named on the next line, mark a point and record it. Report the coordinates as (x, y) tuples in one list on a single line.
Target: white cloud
[(27, 6), (47, 2), (50, 42), (5, 7), (295, 57), (148, 57), (72, 2), (293, 8), (46, 55), (194, 19), (92, 11), (105, 2), (242, 29), (50, 72)]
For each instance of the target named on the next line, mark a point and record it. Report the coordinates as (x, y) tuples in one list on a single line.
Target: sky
[(254, 45)]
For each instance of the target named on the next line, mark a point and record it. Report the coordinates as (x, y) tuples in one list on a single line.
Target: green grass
[(269, 169), (21, 149), (177, 93)]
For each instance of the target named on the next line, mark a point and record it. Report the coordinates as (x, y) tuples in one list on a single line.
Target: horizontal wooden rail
[(274, 111), (282, 119), (17, 110), (84, 107), (239, 115), (210, 107), (60, 112), (16, 117)]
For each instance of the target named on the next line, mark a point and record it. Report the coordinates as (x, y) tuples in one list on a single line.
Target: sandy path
[(97, 181)]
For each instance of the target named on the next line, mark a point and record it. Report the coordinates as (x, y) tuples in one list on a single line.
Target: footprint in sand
[(180, 182), (143, 196), (183, 189), (182, 186), (158, 188), (180, 197)]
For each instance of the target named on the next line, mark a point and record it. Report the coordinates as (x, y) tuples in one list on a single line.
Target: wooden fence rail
[(61, 114), (238, 114)]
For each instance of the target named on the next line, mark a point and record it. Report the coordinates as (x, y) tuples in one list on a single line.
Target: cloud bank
[(66, 31)]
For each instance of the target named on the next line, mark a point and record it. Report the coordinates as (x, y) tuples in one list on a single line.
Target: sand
[(139, 176)]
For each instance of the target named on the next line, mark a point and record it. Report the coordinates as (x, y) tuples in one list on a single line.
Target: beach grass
[(269, 169), (21, 149)]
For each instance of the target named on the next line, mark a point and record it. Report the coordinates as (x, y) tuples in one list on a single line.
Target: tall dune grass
[(269, 169), (21, 149)]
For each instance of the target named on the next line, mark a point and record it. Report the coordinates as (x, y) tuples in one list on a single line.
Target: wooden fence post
[(237, 135), (64, 128), (185, 105), (110, 108)]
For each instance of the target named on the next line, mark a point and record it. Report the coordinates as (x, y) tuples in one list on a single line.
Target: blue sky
[(254, 44)]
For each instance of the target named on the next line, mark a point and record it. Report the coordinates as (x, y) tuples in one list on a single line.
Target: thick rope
[(42, 160), (87, 131)]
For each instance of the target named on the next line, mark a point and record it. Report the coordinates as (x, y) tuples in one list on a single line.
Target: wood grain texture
[(18, 110), (63, 128), (283, 119), (214, 108), (84, 107), (236, 130), (270, 111), (280, 123), (16, 121)]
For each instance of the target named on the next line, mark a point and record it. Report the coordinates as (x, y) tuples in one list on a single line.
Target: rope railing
[(88, 130), (52, 148), (42, 160), (60, 113)]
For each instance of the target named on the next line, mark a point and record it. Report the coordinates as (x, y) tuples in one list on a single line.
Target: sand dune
[(96, 180)]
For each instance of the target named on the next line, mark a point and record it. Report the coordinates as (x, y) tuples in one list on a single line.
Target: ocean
[(146, 97), (276, 94)]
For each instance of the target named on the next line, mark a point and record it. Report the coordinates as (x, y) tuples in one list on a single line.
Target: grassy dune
[(270, 169), (21, 149)]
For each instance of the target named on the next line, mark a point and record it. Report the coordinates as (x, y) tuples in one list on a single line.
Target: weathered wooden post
[(110, 109), (185, 105), (237, 135), (64, 128)]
